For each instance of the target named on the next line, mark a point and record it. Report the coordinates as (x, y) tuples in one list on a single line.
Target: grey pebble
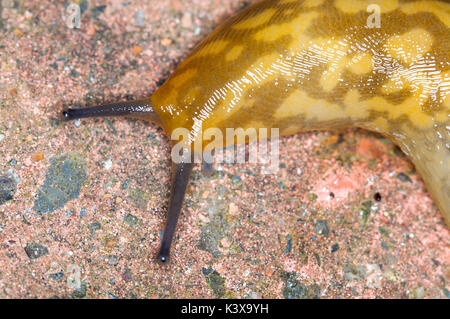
[(216, 282), (7, 188), (321, 228), (63, 182), (80, 292), (113, 260), (127, 275), (334, 248), (35, 250), (404, 178), (95, 226), (57, 276), (296, 290), (130, 219), (288, 248)]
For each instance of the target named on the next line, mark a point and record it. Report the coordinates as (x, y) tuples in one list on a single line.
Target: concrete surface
[(82, 204)]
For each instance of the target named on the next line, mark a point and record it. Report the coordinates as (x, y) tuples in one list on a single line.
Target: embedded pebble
[(130, 219), (63, 182), (95, 226), (294, 289), (404, 178), (79, 292), (57, 276), (35, 250), (321, 228), (127, 275), (7, 188), (107, 164), (215, 281)]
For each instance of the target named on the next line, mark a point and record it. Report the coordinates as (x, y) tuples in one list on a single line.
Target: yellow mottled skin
[(301, 65)]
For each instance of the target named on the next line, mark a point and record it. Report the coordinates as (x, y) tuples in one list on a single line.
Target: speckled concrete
[(345, 217)]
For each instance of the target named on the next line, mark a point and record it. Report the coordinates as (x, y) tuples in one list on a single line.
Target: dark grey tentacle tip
[(162, 259), (66, 114)]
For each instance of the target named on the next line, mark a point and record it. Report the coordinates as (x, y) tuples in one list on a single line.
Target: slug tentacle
[(139, 109), (180, 179)]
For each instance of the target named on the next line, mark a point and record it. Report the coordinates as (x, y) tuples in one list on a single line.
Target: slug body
[(300, 65)]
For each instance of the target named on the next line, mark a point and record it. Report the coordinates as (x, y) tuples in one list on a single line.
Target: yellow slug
[(299, 65)]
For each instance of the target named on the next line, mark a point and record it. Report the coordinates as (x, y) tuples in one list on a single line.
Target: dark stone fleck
[(235, 179), (35, 250), (207, 271), (130, 219), (436, 262), (127, 275), (79, 292), (365, 212), (98, 10), (377, 197), (246, 171), (296, 290), (7, 188), (112, 296), (160, 82), (404, 178), (217, 283), (57, 276), (74, 74), (334, 248), (288, 248), (317, 257), (113, 260), (281, 185), (383, 231), (63, 182), (312, 197), (95, 226), (83, 212), (321, 228)]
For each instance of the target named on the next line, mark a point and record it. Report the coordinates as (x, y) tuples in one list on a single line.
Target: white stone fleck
[(107, 164)]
